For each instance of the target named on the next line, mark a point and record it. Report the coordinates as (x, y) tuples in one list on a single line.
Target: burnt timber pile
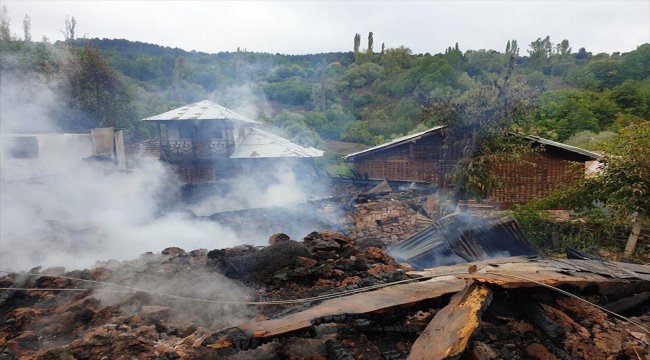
[(325, 298)]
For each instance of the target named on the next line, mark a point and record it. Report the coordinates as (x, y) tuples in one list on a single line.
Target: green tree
[(623, 186), (357, 131), (357, 43), (397, 58), (636, 64), (478, 125), (630, 97), (70, 28), (607, 72), (5, 21), (563, 48), (540, 51), (363, 74), (27, 28), (96, 93), (590, 140), (371, 41)]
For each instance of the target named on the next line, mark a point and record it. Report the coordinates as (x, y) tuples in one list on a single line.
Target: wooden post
[(630, 247)]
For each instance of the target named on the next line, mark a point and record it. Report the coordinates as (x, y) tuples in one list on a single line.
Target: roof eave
[(390, 145)]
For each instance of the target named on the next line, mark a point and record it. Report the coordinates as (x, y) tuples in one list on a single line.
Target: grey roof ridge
[(395, 142)]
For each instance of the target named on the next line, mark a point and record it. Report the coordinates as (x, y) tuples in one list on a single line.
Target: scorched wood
[(447, 334), (380, 300)]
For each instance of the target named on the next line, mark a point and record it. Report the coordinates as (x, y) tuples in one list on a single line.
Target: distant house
[(422, 157), (206, 142), (29, 156)]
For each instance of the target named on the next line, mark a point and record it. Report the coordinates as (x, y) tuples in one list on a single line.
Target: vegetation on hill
[(361, 96)]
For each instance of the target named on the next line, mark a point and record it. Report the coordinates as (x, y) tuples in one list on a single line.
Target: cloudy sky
[(299, 27)]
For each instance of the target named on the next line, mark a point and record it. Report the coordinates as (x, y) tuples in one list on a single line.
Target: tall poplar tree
[(357, 43)]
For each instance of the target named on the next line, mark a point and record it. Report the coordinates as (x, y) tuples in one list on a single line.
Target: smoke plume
[(59, 209)]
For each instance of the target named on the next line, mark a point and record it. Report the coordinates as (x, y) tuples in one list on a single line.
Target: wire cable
[(179, 297), (624, 318)]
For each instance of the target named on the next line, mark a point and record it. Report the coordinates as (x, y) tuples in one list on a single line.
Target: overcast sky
[(300, 27)]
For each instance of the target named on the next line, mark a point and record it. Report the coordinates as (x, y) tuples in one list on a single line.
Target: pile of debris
[(460, 237), (386, 216), (325, 298), (324, 262), (147, 308), (490, 312)]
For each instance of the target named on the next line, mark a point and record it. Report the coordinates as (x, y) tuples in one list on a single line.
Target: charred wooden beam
[(448, 333), (335, 310), (627, 303), (608, 278)]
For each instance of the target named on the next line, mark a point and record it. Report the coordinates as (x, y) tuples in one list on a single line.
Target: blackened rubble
[(324, 262), (520, 319)]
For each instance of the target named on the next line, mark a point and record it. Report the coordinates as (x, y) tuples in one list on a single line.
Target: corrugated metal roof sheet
[(393, 143), (262, 144), (202, 110), (383, 186), (460, 237)]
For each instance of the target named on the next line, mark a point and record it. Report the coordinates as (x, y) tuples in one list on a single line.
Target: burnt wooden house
[(206, 142), (422, 157)]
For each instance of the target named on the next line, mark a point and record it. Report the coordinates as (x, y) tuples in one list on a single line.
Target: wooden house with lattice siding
[(207, 142), (423, 157)]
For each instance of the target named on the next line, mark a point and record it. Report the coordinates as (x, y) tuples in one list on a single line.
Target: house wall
[(425, 160), (537, 177)]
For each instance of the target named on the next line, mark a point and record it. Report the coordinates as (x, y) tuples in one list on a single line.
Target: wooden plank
[(384, 299), (363, 303), (102, 140), (575, 273), (120, 150), (511, 272), (449, 331)]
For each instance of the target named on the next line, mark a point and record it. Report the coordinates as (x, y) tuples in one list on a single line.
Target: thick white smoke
[(61, 210), (247, 192)]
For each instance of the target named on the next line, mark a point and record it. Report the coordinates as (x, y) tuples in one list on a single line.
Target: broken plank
[(575, 273), (376, 301), (449, 331)]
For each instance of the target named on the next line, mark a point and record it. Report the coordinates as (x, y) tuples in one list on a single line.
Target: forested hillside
[(367, 95)]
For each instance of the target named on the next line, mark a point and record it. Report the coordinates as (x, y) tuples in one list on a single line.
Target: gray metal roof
[(202, 110), (393, 143), (418, 136), (590, 154), (263, 144)]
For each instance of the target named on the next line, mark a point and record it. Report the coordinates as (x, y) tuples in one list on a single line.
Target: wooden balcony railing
[(193, 149)]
